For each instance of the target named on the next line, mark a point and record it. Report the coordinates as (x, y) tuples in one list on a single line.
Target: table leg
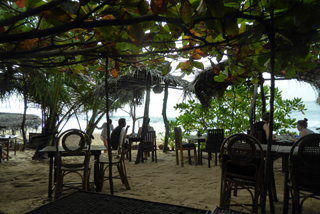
[(15, 146), (8, 150), (285, 188), (199, 152), (50, 177), (96, 171)]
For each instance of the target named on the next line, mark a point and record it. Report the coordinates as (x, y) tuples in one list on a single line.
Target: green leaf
[(255, 80), (198, 65), (238, 80), (306, 65), (219, 57), (290, 72), (186, 11), (262, 59), (232, 26), (220, 78), (301, 13), (216, 8)]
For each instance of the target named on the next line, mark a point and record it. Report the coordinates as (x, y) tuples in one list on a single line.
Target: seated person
[(263, 127), (303, 131), (149, 128), (115, 135)]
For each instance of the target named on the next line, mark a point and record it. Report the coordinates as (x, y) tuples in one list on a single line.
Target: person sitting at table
[(149, 128), (115, 135), (104, 133), (4, 154), (302, 127), (263, 127)]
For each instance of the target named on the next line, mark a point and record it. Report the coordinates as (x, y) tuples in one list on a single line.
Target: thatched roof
[(205, 87), (135, 82), (14, 121)]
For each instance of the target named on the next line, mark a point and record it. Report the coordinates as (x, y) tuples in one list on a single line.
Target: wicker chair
[(73, 142), (242, 164), (304, 170), (213, 144), (117, 161), (183, 146)]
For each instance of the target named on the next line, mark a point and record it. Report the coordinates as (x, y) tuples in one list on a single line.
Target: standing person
[(149, 128), (262, 126), (104, 133), (302, 127), (115, 136)]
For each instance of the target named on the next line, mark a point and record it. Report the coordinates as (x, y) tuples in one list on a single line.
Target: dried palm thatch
[(205, 87), (12, 121), (133, 84)]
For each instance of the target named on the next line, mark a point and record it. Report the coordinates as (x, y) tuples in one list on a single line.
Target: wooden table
[(198, 139), (7, 138), (131, 140), (51, 150)]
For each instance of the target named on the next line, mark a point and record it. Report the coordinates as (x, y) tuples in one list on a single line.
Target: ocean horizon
[(155, 113)]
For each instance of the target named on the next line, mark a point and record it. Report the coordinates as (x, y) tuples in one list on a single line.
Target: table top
[(96, 203), (53, 148), (6, 137), (196, 137)]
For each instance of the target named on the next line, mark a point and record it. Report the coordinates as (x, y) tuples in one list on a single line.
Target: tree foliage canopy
[(71, 36)]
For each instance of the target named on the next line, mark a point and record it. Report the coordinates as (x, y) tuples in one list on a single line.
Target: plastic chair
[(242, 164), (149, 145), (118, 161), (183, 146), (75, 143), (304, 170), (213, 144)]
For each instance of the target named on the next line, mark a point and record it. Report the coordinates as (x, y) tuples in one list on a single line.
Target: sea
[(15, 105)]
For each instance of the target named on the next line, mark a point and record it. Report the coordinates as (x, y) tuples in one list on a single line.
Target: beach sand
[(24, 183)]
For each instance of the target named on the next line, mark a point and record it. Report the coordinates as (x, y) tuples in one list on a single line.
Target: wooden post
[(108, 130)]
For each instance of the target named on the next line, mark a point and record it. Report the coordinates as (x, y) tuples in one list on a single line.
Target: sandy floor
[(24, 183)]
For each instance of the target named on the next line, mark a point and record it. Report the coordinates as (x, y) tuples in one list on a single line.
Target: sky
[(293, 88)]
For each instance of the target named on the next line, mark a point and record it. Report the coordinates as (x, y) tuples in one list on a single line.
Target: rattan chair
[(183, 146), (74, 143), (149, 145), (213, 144), (242, 164), (117, 161), (304, 171)]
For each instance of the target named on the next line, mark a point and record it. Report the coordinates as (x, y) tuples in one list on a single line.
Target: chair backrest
[(215, 139), (122, 140), (73, 141), (242, 157), (150, 139), (305, 161), (177, 137)]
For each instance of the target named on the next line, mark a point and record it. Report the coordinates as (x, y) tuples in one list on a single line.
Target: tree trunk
[(263, 98), (165, 119), (25, 99), (108, 130), (252, 107), (145, 117), (266, 180)]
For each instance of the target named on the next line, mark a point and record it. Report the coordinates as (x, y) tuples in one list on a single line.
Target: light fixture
[(157, 89)]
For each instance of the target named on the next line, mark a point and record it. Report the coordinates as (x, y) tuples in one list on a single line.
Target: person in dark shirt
[(263, 127), (115, 135)]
